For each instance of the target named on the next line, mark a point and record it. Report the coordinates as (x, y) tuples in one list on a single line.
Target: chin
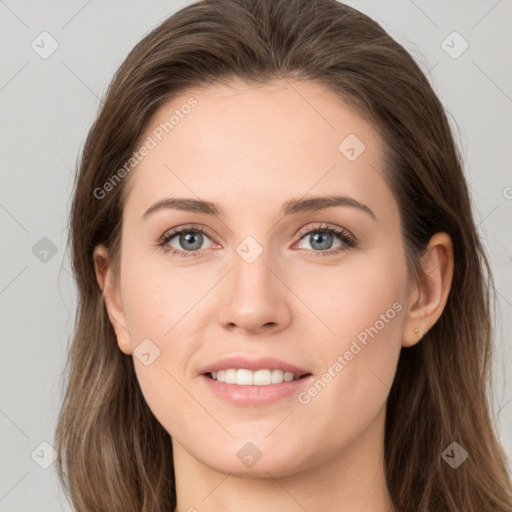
[(253, 460)]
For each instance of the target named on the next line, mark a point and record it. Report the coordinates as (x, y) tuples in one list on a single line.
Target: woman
[(284, 301)]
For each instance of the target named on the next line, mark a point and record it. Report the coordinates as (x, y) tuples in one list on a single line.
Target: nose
[(255, 300)]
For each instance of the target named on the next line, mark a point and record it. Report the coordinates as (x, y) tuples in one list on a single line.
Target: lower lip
[(254, 395)]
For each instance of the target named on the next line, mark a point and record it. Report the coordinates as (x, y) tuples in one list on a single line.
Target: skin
[(250, 149)]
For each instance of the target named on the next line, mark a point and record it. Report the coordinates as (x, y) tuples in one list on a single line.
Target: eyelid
[(176, 231), (325, 226), (186, 227)]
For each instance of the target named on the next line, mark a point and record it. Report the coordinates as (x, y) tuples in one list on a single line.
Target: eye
[(326, 240), (186, 241)]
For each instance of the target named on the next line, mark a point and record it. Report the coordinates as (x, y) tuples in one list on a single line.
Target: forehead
[(258, 144)]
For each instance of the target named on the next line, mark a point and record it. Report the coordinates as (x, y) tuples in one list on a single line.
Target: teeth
[(229, 376), (243, 377)]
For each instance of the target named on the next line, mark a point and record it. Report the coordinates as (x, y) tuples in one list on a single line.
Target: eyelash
[(347, 239)]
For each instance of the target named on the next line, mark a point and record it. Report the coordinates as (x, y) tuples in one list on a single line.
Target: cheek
[(158, 300), (168, 396), (359, 293), (365, 308), (161, 307), (352, 386), (360, 361)]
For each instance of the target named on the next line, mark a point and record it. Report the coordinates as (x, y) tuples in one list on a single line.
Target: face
[(274, 280)]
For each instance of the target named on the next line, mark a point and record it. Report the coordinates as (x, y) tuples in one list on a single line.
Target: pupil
[(191, 241), (324, 240)]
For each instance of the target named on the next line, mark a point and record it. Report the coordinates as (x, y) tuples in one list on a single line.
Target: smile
[(244, 377)]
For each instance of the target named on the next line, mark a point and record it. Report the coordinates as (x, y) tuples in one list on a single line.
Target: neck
[(351, 480)]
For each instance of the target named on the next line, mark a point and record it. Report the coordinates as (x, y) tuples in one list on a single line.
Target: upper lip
[(252, 363)]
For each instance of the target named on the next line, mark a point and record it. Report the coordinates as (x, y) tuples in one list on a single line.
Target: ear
[(430, 292), (112, 297)]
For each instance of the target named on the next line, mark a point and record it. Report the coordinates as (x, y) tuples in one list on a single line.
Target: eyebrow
[(290, 207)]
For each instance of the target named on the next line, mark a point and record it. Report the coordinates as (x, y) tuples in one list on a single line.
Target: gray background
[(47, 106)]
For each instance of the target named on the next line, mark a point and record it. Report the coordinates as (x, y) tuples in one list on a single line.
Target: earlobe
[(430, 294), (112, 297)]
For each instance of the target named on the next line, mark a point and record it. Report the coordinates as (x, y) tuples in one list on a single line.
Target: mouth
[(248, 381), (262, 377)]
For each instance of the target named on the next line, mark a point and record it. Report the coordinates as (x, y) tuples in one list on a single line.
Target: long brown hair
[(113, 455)]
